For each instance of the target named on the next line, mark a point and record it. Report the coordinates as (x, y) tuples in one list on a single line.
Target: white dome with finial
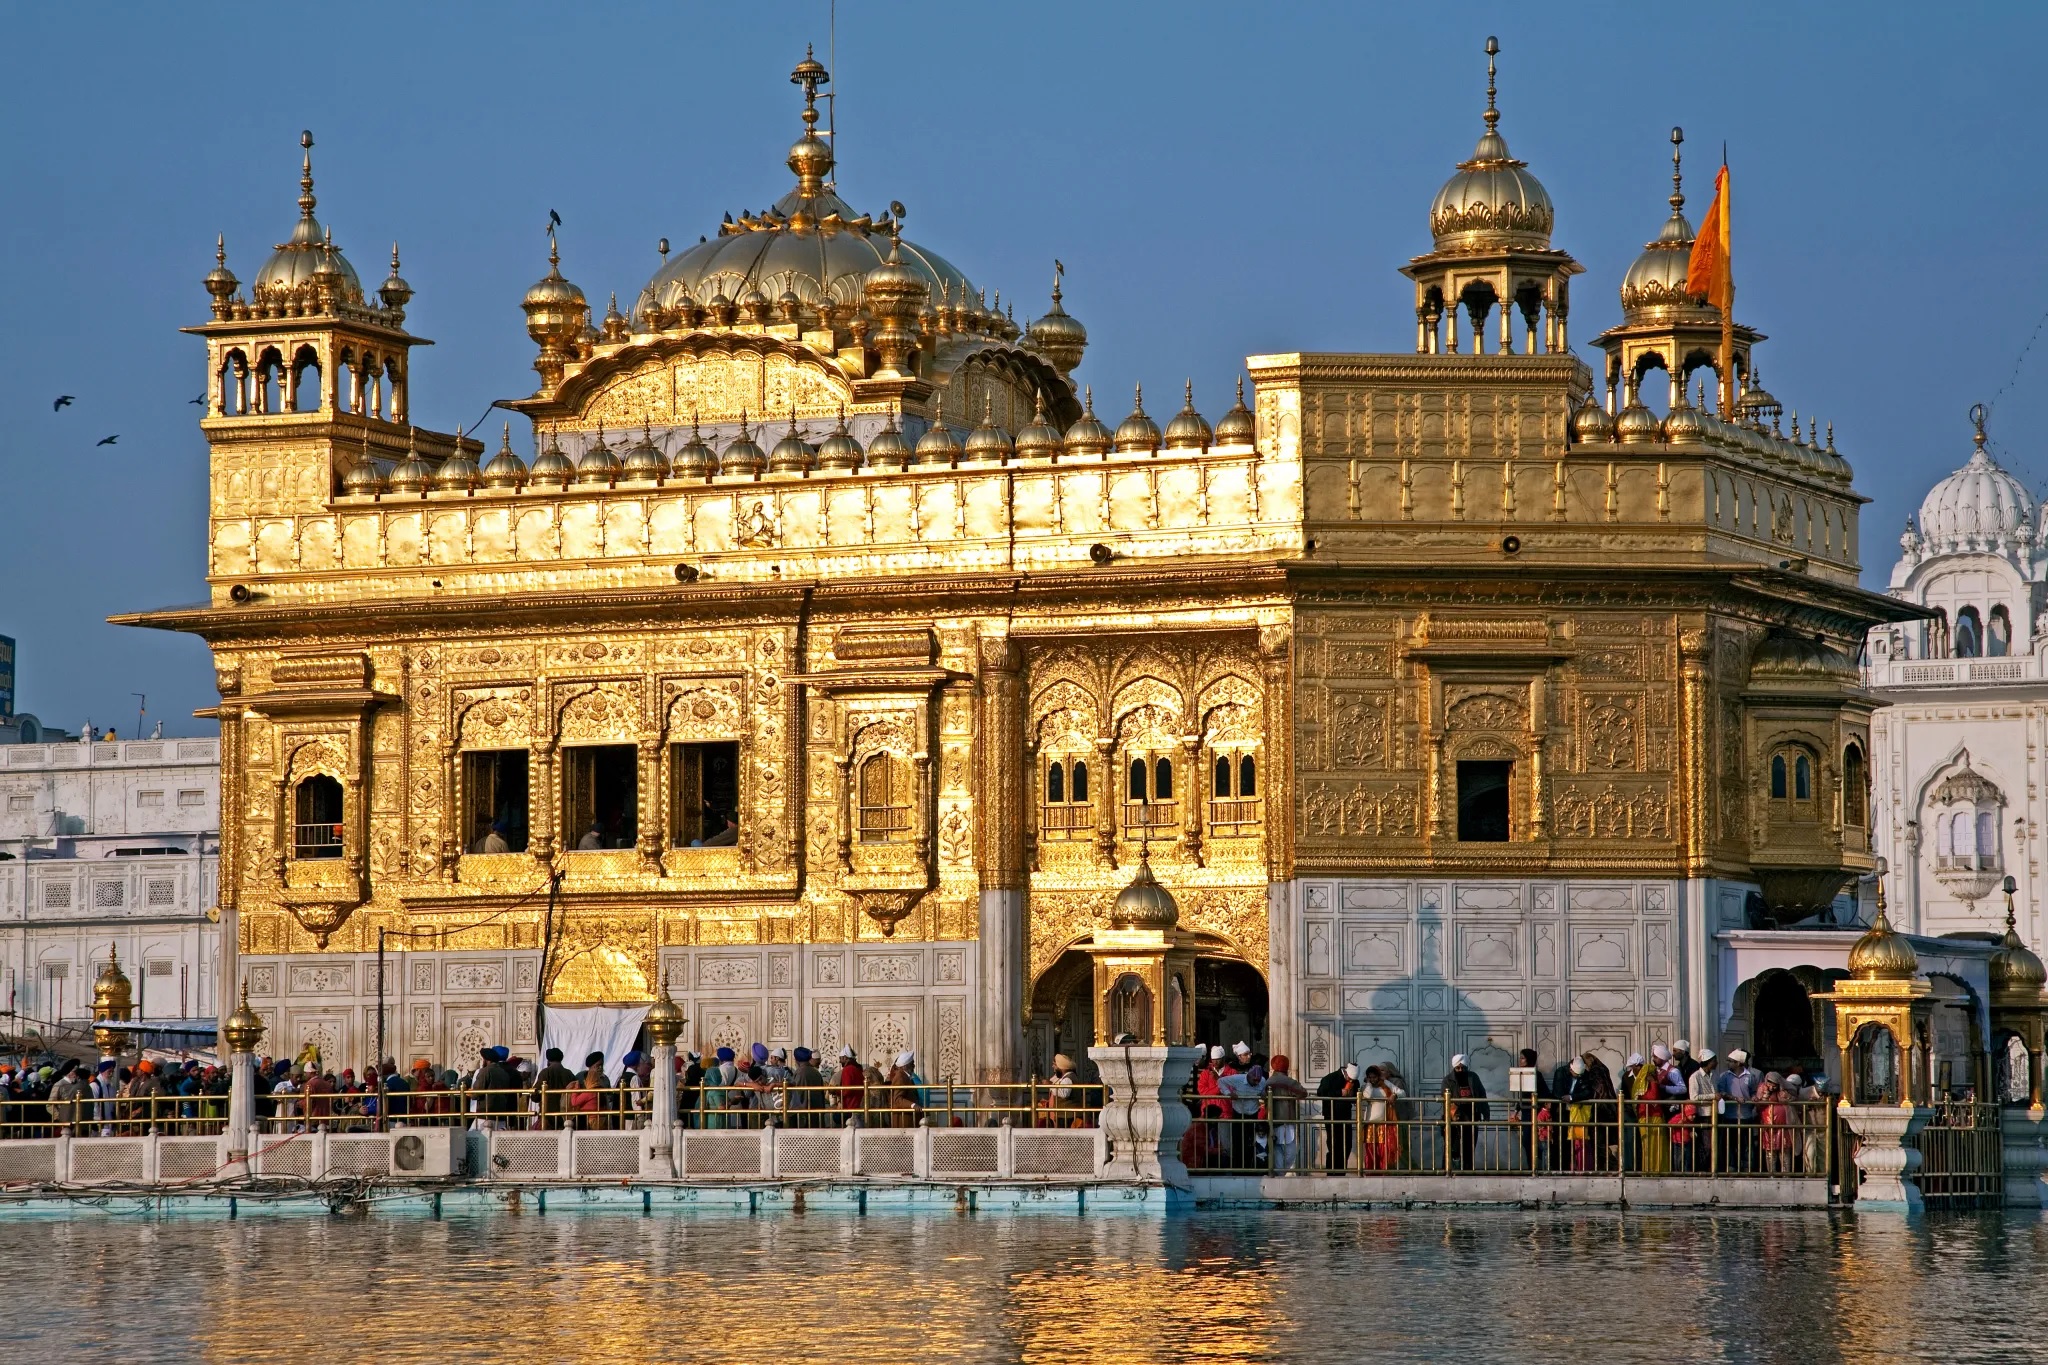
[(1979, 508)]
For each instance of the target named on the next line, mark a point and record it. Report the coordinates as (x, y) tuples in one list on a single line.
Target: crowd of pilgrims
[(1672, 1112), (110, 1097)]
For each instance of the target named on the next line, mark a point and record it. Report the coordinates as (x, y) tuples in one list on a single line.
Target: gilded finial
[(394, 257), (1058, 270), (1138, 403), (743, 424), (693, 424), (1812, 433), (1978, 415), (1190, 390), (554, 252), (661, 248), (1831, 438), (306, 200), (1677, 178), (1088, 399), (1492, 113), (1240, 390), (220, 250)]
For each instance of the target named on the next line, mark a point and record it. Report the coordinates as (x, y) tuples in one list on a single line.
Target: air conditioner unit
[(428, 1153)]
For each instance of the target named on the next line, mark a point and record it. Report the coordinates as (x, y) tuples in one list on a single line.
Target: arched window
[(1969, 638), (1138, 785), (1148, 797), (884, 799), (1066, 812), (1987, 837), (1944, 841), (1855, 791), (1247, 776), (1162, 779), (1938, 634), (1998, 638), (1802, 778), (1962, 835), (1777, 777), (316, 818), (1223, 774), (1234, 804)]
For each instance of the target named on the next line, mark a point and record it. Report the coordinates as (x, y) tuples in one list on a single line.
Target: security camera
[(686, 573), (1101, 553), (1510, 545), (240, 593)]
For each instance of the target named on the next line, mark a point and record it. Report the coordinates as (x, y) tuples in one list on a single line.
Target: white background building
[(108, 843), (1957, 781)]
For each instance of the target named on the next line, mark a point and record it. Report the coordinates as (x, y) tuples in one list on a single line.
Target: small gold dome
[(889, 450), (1591, 425), (506, 469), (1881, 955), (1188, 430), (458, 473), (1637, 425), (792, 454), (597, 464), (1088, 436), (221, 281), (1136, 432), (1057, 336), (551, 466), (361, 479), (615, 329), (840, 450), (1144, 904), (644, 463), (2014, 967), (742, 456), (1491, 201), (1040, 439), (411, 474), (937, 445), (1683, 424), (1238, 427), (243, 1029), (555, 309), (695, 460), (395, 292), (112, 993), (989, 441)]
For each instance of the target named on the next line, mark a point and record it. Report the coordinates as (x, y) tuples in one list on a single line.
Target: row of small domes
[(644, 462), (1687, 423)]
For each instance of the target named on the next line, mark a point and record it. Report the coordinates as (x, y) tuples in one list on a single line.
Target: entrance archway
[(1230, 1007)]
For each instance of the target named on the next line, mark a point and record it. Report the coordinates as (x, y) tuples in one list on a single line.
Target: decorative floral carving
[(1611, 735)]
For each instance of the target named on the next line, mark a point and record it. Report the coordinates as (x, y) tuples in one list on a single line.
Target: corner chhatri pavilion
[(843, 665)]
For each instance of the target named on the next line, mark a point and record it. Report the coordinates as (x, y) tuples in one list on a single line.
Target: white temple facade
[(1959, 800), (108, 847)]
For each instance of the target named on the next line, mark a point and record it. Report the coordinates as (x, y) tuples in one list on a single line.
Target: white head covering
[(1578, 1067), (1681, 1046), (846, 1052), (1241, 1049), (905, 1057), (1458, 1059), (1738, 1056), (1351, 1071), (1660, 1052), (1706, 1054), (1634, 1059), (776, 1054), (1216, 1053)]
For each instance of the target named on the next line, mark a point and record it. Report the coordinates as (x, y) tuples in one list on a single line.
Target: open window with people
[(705, 794), (600, 797), (494, 791), (1150, 807), (317, 818)]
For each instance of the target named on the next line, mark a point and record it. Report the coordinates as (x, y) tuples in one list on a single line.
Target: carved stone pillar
[(651, 817), (541, 800), (1275, 649), (1143, 1114), (1005, 772), (1693, 657), (1110, 783), (1196, 805), (1888, 1155)]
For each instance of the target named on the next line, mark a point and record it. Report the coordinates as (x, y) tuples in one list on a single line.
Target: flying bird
[(110, 440), (63, 402), (199, 402)]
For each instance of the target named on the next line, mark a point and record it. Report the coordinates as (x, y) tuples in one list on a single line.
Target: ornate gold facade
[(973, 652)]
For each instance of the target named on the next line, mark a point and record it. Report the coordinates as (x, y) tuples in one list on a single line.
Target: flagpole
[(1728, 310)]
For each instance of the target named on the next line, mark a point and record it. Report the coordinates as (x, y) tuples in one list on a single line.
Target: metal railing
[(115, 1116), (1962, 1156), (1437, 1134), (321, 840)]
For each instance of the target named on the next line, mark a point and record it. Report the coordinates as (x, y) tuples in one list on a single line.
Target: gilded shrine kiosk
[(846, 657)]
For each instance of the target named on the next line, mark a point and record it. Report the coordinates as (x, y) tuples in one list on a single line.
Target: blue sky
[(1221, 180)]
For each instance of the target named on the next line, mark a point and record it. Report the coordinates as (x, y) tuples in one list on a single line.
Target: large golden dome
[(1655, 283), (1492, 200), (295, 269), (811, 244)]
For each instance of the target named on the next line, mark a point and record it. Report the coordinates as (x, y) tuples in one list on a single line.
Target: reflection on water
[(1217, 1286)]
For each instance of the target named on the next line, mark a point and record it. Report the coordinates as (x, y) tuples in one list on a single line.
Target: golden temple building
[(835, 662)]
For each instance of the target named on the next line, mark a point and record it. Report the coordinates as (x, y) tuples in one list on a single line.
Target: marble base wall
[(1414, 970), (878, 998)]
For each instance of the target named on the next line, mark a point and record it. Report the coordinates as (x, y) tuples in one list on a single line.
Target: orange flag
[(1708, 274)]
